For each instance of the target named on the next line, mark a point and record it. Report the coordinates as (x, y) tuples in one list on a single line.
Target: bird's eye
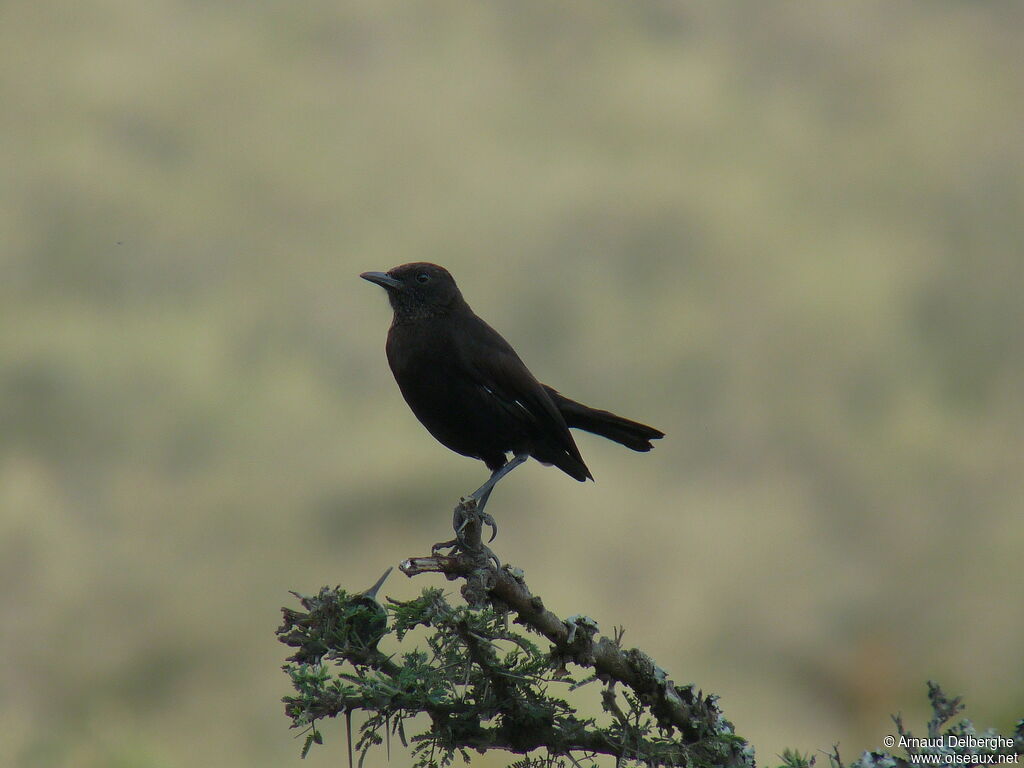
[(422, 277)]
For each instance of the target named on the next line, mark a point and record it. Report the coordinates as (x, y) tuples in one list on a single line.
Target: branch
[(695, 716), (485, 686)]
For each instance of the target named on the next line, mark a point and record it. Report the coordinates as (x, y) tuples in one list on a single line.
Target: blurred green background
[(788, 234)]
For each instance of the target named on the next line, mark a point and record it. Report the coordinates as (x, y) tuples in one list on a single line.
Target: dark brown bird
[(471, 391)]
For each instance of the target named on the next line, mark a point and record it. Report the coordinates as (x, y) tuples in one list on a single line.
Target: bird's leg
[(485, 519), (468, 524), (470, 511), (483, 493), (467, 535)]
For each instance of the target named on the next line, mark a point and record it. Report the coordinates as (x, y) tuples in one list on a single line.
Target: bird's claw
[(491, 556), (468, 521), (449, 545), (486, 519), (455, 544), (466, 511)]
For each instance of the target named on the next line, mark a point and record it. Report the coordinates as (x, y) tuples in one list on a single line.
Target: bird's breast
[(419, 351), (444, 394), (424, 362)]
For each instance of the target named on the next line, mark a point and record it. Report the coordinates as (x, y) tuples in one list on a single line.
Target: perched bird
[(471, 391)]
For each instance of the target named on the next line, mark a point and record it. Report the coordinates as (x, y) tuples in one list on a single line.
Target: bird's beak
[(383, 279)]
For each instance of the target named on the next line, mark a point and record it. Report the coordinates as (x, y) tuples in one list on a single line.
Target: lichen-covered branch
[(694, 716), (486, 685)]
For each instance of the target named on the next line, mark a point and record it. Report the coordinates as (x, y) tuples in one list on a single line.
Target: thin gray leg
[(483, 493)]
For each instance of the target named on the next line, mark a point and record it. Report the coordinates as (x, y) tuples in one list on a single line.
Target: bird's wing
[(496, 367)]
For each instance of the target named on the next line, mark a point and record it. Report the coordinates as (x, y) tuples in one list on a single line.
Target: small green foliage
[(313, 737), (483, 686), (791, 758), (416, 612), (336, 623), (545, 761)]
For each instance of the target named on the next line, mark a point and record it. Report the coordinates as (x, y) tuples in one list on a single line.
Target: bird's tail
[(631, 434)]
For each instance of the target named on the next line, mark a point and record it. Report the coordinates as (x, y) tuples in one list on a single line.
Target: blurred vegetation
[(790, 235)]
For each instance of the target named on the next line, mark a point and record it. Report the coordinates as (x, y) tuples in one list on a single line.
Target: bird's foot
[(469, 512), (486, 519), (491, 557), (456, 545), (451, 546), (468, 522)]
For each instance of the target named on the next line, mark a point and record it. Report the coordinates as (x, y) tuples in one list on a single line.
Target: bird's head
[(419, 289)]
